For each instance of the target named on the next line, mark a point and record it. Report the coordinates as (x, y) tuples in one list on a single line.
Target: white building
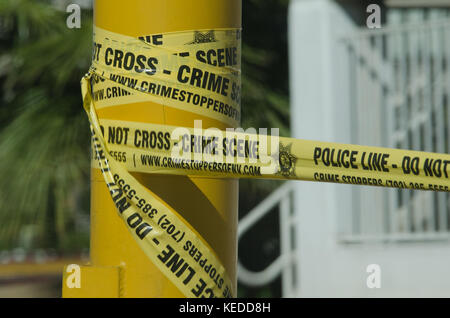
[(379, 87)]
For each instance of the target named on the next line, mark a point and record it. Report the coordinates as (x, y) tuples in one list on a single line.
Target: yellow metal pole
[(118, 267)]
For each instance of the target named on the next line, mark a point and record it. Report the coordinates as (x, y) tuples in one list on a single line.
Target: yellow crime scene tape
[(199, 72)]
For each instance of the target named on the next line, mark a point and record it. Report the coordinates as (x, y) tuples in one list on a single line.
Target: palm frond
[(44, 137), (43, 154)]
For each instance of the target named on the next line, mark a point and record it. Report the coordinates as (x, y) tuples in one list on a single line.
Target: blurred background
[(315, 71), (44, 134)]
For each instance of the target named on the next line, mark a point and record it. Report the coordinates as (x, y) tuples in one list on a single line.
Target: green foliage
[(44, 136), (265, 101)]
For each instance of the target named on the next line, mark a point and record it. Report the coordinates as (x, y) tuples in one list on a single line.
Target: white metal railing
[(401, 98), (285, 262)]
